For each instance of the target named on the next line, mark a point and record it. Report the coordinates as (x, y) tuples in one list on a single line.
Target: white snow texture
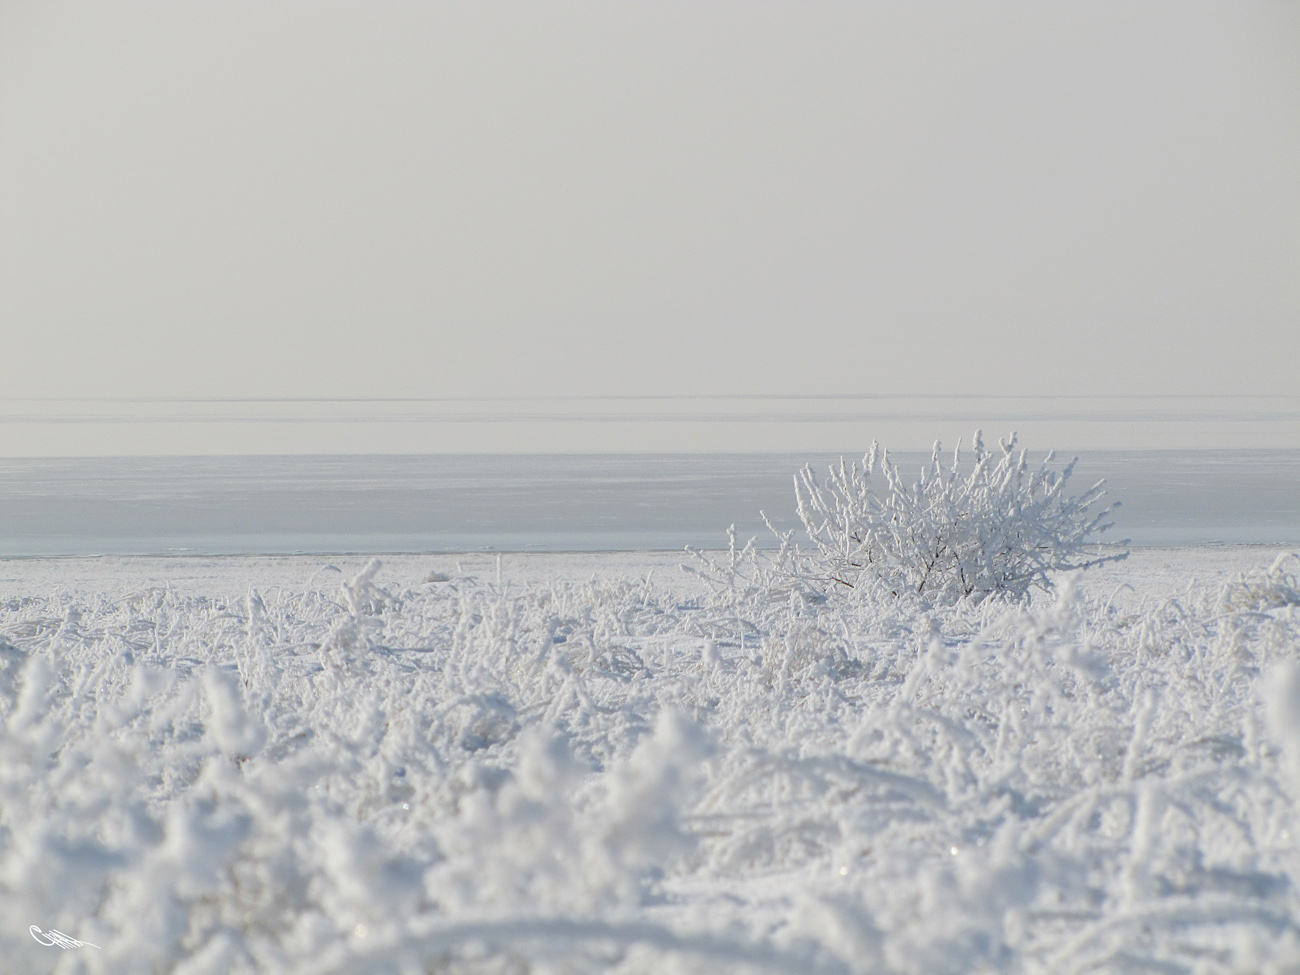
[(708, 774)]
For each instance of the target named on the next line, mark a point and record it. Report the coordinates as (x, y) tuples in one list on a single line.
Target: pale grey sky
[(422, 200)]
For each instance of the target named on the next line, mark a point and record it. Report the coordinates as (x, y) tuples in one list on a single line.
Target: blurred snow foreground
[(729, 772)]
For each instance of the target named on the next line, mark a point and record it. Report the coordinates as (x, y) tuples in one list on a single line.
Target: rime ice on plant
[(627, 778), (1000, 528)]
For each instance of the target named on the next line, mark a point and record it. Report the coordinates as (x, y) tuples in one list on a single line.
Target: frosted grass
[(687, 774)]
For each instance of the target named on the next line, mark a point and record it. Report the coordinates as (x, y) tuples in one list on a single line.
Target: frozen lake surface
[(376, 504)]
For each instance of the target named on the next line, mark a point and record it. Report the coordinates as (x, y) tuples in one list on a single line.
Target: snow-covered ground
[(1149, 571), (598, 763)]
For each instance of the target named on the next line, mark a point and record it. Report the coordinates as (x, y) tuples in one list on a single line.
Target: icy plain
[(599, 763)]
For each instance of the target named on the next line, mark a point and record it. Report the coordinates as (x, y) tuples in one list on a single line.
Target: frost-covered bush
[(1000, 527), (1266, 588)]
